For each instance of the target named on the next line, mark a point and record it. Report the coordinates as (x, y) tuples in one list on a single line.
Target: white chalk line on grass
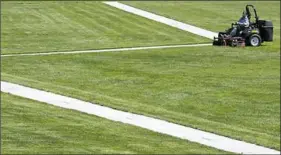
[(164, 20), (157, 125), (106, 50)]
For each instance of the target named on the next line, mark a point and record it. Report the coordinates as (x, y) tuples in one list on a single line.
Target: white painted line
[(164, 20), (106, 50), (161, 126)]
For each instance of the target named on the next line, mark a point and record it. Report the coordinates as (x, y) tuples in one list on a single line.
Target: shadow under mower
[(258, 32)]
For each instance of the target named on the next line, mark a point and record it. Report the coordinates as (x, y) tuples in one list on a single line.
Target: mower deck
[(227, 40)]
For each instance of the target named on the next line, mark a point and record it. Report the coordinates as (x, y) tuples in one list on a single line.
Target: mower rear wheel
[(254, 40)]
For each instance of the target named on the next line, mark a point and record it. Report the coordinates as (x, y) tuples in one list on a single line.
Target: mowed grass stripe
[(74, 21), (105, 50), (90, 19), (63, 26), (30, 127), (144, 26)]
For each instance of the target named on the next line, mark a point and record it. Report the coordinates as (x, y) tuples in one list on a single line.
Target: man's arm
[(244, 21)]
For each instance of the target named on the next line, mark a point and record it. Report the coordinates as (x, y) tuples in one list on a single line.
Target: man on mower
[(242, 23)]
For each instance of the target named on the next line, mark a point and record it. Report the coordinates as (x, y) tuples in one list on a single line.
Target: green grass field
[(29, 127), (229, 91), (62, 26)]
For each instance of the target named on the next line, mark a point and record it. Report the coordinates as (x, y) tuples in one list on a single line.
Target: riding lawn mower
[(256, 33)]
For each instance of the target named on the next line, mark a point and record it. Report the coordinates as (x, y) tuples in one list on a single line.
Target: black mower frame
[(257, 32)]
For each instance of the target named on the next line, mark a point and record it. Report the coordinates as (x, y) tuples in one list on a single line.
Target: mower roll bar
[(249, 13)]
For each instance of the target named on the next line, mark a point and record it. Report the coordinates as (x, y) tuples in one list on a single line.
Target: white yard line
[(106, 50), (164, 20), (160, 126)]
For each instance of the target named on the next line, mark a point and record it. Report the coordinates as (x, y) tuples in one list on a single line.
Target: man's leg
[(233, 32)]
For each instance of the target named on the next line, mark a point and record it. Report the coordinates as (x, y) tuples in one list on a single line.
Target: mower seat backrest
[(266, 30)]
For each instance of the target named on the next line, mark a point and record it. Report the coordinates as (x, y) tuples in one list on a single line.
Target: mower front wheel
[(254, 40)]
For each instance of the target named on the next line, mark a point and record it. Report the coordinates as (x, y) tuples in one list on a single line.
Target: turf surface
[(29, 127), (230, 92), (62, 26)]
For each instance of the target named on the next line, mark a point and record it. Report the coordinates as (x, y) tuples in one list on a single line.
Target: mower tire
[(254, 40)]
